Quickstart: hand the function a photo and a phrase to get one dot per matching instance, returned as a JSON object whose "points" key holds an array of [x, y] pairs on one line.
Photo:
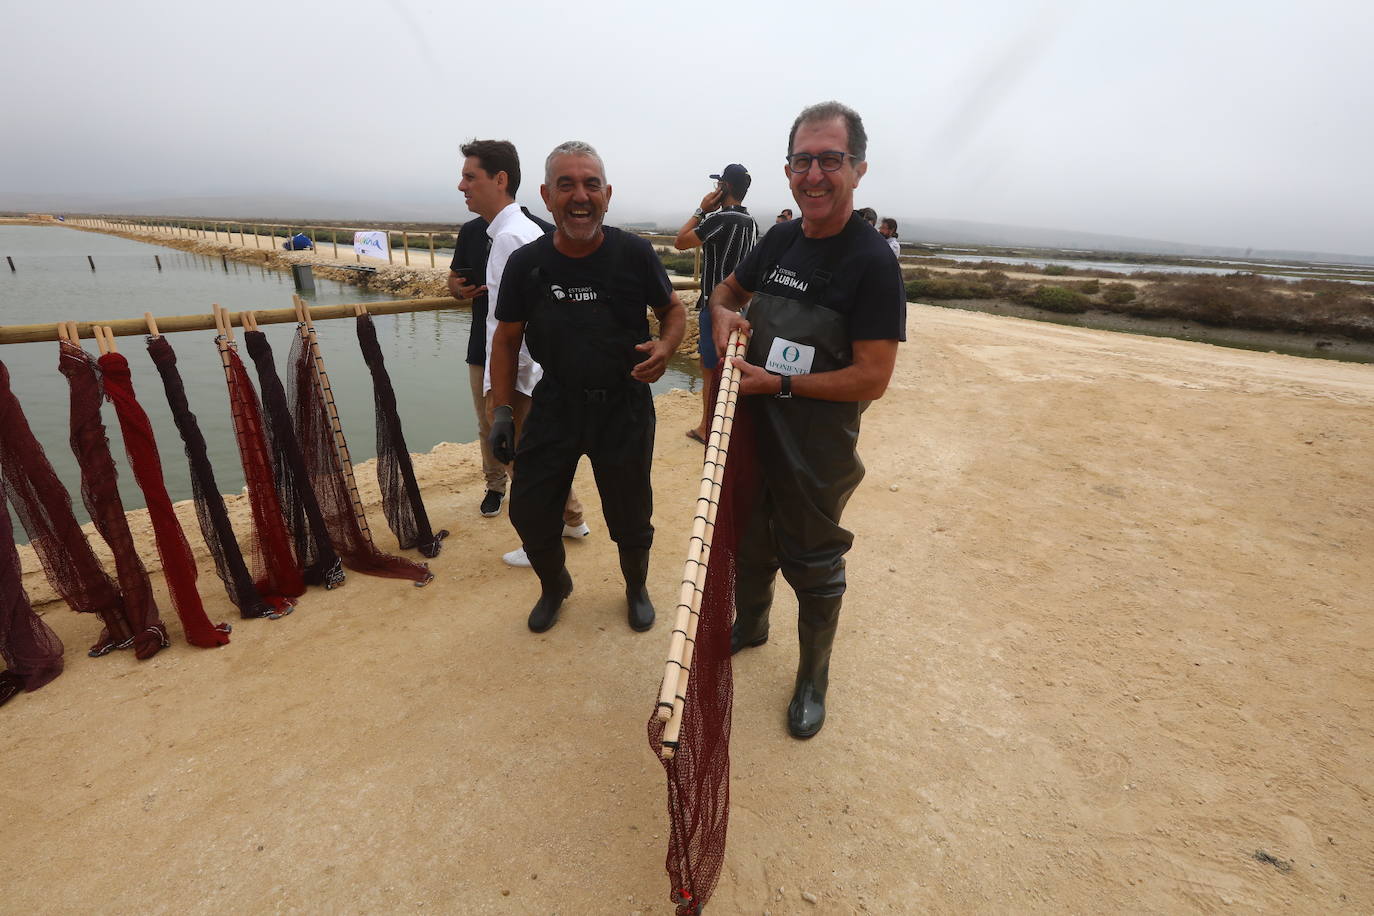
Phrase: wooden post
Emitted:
{"points": [[241, 241], [11, 260], [92, 262], [159, 261], [257, 236], [313, 246], [431, 249], [334, 234], [405, 247]]}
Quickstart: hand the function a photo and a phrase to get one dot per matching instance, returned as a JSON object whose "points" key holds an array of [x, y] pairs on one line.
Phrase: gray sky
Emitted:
{"points": [[1209, 121]]}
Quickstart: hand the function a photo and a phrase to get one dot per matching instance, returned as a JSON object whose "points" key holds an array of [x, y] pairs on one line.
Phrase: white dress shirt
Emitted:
{"points": [[510, 230]]}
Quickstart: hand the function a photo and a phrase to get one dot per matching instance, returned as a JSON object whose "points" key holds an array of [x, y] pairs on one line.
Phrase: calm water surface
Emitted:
{"points": [[53, 281]]}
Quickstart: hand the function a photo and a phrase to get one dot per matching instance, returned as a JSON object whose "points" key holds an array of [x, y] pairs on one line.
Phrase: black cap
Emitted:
{"points": [[736, 176]]}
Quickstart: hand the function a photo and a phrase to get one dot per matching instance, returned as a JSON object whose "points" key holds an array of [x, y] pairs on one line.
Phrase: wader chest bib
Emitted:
{"points": [[807, 447]]}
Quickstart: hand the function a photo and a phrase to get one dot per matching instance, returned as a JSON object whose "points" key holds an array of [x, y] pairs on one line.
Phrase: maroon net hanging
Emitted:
{"points": [[45, 510], [210, 512], [315, 430], [401, 503], [699, 770], [31, 650], [178, 563], [100, 493], [319, 562], [276, 575]]}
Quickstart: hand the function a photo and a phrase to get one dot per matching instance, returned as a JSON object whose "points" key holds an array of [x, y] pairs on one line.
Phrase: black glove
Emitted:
{"points": [[502, 438]]}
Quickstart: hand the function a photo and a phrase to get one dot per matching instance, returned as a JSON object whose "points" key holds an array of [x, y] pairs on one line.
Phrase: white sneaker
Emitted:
{"points": [[577, 533], [516, 557]]}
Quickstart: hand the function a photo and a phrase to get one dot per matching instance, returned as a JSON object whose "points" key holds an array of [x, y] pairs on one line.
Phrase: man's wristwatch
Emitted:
{"points": [[699, 214], [784, 387]]}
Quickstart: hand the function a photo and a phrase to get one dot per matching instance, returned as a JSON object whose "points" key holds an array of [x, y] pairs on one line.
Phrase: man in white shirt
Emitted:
{"points": [[888, 230], [491, 177]]}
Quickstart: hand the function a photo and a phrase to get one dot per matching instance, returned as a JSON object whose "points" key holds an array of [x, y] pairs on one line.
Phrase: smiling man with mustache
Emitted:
{"points": [[578, 298], [826, 306]]}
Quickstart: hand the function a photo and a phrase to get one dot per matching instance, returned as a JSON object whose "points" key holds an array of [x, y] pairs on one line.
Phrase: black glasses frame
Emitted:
{"points": [[808, 158]]}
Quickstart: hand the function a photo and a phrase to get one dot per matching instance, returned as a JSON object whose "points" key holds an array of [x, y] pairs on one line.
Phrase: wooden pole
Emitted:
{"points": [[405, 247], [129, 327], [91, 260], [431, 249], [307, 331], [683, 638]]}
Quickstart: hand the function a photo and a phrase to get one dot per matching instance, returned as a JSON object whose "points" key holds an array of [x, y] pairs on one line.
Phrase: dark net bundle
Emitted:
{"points": [[699, 770], [401, 503], [45, 510], [319, 562], [276, 574], [30, 649], [100, 493], [178, 563], [210, 512], [315, 429]]}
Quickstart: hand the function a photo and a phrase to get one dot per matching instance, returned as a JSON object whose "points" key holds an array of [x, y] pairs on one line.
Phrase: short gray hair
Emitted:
{"points": [[829, 111], [572, 148]]}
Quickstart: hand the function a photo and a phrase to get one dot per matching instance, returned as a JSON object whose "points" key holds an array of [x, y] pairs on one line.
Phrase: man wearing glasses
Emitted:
{"points": [[826, 309]]}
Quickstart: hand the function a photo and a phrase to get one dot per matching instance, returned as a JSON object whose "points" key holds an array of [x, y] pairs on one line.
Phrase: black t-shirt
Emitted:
{"points": [[726, 237], [639, 280], [865, 283], [470, 251]]}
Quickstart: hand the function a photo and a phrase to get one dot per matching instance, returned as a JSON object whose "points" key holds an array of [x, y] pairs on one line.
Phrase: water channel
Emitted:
{"points": [[54, 281]]}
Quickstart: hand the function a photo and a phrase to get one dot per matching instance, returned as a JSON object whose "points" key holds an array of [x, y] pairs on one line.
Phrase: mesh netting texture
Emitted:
{"points": [[215, 527], [45, 510], [100, 494], [699, 770], [315, 428], [319, 562], [31, 650], [178, 562], [401, 502], [276, 574]]}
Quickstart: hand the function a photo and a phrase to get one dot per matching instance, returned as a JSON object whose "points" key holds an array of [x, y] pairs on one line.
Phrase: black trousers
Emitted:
{"points": [[614, 428]]}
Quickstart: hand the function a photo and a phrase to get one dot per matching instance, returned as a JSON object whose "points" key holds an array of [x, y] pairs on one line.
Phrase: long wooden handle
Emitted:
{"points": [[326, 391], [699, 543]]}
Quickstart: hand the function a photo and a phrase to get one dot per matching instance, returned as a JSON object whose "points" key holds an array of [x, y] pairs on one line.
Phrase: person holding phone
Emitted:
{"points": [[724, 230]]}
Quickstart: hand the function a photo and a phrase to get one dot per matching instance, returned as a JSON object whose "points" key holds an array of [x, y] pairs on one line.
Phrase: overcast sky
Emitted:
{"points": [[1244, 123]]}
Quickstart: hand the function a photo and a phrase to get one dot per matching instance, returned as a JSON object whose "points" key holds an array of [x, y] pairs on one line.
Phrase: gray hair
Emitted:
{"points": [[829, 111], [572, 148]]}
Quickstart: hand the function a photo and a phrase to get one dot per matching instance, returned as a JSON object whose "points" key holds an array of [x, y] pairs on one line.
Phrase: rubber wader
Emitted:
{"points": [[810, 467], [585, 404]]}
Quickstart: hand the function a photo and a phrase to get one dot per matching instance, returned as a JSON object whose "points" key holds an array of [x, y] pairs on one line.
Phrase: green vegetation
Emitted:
{"points": [[680, 263], [1055, 299], [1118, 293]]}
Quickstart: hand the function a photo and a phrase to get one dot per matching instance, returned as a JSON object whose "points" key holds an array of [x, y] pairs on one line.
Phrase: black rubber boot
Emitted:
{"points": [[634, 565], [817, 620], [753, 600], [555, 585]]}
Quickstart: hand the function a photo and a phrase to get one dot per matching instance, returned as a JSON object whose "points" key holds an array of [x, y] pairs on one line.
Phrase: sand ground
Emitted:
{"points": [[1107, 640]]}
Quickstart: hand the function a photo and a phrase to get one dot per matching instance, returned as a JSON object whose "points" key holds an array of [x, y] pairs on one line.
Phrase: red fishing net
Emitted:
{"points": [[45, 510], [210, 512], [319, 562], [401, 503], [699, 770], [100, 493], [31, 650], [178, 563], [276, 575], [315, 428]]}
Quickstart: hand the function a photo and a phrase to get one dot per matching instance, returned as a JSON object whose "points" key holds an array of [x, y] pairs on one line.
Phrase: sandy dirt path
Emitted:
{"points": [[1108, 637]]}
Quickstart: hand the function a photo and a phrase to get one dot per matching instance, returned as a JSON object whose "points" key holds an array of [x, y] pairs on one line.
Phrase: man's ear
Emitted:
{"points": [[544, 193], [862, 170], [502, 180], [608, 197]]}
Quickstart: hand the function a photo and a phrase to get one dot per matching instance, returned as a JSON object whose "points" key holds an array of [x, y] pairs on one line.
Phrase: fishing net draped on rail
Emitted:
{"points": [[215, 526], [178, 562], [276, 574], [100, 493], [315, 429], [45, 510], [319, 562], [699, 770], [401, 502], [30, 649]]}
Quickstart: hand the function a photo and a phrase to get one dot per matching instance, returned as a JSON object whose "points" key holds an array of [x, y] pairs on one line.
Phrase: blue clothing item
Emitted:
{"points": [[706, 345], [298, 242]]}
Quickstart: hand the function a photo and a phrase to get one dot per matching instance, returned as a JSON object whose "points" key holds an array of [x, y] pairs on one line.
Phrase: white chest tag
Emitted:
{"points": [[788, 358]]}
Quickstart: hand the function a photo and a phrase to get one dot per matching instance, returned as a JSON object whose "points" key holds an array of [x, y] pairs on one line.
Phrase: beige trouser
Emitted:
{"points": [[497, 473]]}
